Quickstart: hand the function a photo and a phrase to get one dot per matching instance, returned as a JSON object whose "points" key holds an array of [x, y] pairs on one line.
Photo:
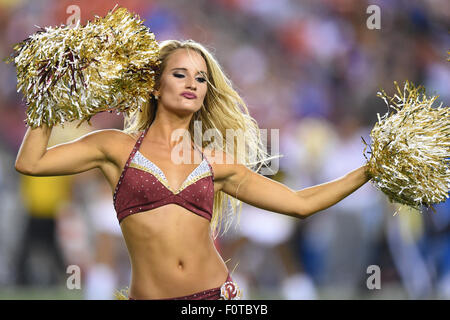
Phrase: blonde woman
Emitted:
{"points": [[169, 212]]}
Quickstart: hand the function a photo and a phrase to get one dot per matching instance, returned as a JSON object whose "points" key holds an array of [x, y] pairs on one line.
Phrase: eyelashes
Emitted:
{"points": [[199, 79]]}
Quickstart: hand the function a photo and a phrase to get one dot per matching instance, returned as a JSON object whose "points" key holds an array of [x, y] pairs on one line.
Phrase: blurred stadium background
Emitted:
{"points": [[308, 68]]}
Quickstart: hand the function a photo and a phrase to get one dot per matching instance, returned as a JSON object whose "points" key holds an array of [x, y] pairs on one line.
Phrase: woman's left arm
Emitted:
{"points": [[262, 192]]}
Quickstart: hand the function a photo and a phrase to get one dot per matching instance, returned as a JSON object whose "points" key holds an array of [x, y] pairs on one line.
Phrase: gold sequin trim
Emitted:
{"points": [[156, 175], [193, 177], [192, 181]]}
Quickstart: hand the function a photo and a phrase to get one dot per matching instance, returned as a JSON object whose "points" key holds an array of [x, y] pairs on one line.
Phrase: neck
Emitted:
{"points": [[168, 126]]}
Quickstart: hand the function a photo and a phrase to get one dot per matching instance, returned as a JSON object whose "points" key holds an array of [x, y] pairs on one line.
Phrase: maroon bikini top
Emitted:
{"points": [[143, 186]]}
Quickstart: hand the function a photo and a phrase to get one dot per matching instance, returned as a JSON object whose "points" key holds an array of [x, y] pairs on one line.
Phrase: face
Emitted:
{"points": [[183, 82]]}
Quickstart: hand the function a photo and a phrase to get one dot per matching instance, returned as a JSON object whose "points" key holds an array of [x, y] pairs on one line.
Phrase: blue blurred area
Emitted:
{"points": [[308, 68]]}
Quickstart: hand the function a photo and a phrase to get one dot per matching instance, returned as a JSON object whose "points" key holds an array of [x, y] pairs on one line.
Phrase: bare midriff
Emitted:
{"points": [[172, 253]]}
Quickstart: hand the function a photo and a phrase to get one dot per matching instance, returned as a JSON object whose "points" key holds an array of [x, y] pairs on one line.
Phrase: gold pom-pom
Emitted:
{"points": [[410, 150], [122, 294], [71, 74]]}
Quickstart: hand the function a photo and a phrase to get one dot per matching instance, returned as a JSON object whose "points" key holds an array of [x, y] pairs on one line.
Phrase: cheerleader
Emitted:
{"points": [[170, 213]]}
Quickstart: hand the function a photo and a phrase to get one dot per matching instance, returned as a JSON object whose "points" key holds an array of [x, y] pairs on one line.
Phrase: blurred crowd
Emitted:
{"points": [[310, 69]]}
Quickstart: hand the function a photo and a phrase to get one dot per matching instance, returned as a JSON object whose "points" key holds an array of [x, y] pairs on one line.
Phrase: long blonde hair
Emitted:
{"points": [[222, 109]]}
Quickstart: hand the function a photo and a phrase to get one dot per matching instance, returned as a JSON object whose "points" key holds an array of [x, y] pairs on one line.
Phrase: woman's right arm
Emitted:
{"points": [[82, 154]]}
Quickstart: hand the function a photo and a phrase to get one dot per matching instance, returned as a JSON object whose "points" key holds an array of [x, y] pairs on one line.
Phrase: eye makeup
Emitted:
{"points": [[180, 75]]}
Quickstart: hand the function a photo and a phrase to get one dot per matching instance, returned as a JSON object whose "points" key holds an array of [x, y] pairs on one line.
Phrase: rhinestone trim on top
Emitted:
{"points": [[142, 163]]}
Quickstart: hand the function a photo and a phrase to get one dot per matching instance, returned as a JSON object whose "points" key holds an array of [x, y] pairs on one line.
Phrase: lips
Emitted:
{"points": [[189, 95]]}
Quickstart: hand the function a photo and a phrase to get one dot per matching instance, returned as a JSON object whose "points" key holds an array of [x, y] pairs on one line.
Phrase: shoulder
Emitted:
{"points": [[109, 139], [111, 134]]}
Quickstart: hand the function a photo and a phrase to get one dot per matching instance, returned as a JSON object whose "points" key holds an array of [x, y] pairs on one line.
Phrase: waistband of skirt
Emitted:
{"points": [[210, 294]]}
